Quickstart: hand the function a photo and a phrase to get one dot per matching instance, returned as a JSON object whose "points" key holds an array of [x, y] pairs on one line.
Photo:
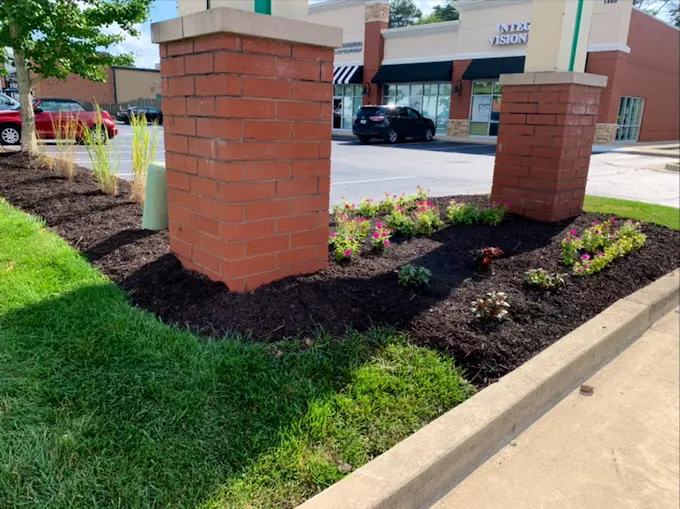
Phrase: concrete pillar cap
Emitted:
{"points": [[554, 78], [236, 21]]}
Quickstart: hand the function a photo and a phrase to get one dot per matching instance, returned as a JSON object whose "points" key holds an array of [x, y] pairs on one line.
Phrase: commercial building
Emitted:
{"points": [[450, 71]]}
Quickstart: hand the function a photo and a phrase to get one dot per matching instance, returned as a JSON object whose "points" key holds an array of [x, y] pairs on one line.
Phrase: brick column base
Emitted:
{"points": [[545, 141], [248, 130]]}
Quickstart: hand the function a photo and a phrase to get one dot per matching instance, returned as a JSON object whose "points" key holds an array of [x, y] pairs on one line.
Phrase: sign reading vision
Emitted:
{"points": [[511, 33]]}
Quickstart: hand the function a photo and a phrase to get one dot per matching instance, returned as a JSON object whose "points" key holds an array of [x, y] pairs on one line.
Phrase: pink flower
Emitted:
{"points": [[352, 239], [596, 223], [379, 225], [386, 243], [376, 235], [612, 220], [348, 253], [508, 204], [333, 235], [384, 234], [585, 257], [572, 232]]}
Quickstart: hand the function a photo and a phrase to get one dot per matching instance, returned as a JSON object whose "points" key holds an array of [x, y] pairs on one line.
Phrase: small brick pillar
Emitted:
{"points": [[545, 141], [247, 140], [376, 19]]}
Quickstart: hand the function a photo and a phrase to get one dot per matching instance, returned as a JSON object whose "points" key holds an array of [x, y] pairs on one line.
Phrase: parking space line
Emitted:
{"points": [[369, 180]]}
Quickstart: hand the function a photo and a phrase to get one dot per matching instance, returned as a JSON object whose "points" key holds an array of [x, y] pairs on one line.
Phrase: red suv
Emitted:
{"points": [[49, 111]]}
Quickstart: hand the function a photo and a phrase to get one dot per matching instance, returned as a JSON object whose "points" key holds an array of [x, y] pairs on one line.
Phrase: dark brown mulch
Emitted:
{"points": [[357, 295]]}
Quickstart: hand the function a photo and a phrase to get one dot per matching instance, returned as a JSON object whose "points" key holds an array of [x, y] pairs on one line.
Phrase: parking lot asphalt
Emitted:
{"points": [[450, 168]]}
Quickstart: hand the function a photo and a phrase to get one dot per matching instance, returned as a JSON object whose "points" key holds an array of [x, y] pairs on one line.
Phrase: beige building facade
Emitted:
{"points": [[450, 71]]}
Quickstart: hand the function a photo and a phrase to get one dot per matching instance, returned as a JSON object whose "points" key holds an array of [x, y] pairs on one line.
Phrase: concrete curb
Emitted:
{"points": [[419, 470]]}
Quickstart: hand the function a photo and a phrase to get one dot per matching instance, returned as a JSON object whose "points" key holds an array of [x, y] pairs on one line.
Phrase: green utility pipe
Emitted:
{"points": [[263, 6], [577, 28]]}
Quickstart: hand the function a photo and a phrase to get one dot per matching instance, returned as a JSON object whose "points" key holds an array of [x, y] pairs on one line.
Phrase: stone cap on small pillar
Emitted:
{"points": [[247, 107], [554, 78], [236, 21]]}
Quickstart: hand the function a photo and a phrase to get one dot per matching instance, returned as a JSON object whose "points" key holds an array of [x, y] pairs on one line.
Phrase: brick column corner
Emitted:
{"points": [[376, 19], [248, 130], [459, 112], [545, 141]]}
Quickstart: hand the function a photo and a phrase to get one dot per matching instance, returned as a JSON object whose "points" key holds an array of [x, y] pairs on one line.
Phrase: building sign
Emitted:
{"points": [[350, 47], [511, 33]]}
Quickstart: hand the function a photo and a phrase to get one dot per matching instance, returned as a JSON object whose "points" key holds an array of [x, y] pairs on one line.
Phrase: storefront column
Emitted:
{"points": [[545, 141], [376, 19], [248, 143], [459, 114]]}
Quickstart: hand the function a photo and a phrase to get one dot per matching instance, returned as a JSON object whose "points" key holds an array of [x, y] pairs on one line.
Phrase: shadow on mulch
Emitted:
{"points": [[353, 296]]}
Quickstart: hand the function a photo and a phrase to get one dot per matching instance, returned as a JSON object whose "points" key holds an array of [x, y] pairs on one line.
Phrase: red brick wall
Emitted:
{"points": [[248, 128], [460, 104], [374, 51], [544, 146], [76, 87], [651, 71]]}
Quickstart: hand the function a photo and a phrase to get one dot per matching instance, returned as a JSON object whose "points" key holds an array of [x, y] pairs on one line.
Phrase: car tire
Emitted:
{"points": [[393, 137], [159, 120], [429, 134], [10, 135], [364, 139], [127, 121]]}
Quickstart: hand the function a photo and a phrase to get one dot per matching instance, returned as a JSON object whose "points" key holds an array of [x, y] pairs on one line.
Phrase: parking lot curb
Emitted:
{"points": [[422, 468]]}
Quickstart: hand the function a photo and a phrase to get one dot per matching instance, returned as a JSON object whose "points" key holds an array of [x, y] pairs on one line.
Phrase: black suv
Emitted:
{"points": [[391, 123]]}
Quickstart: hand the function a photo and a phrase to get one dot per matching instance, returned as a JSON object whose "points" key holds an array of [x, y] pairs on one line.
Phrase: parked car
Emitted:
{"points": [[6, 102], [392, 124], [151, 114], [48, 112]]}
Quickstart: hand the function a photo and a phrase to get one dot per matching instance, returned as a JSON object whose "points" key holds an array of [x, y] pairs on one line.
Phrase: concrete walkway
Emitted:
{"points": [[617, 448]]}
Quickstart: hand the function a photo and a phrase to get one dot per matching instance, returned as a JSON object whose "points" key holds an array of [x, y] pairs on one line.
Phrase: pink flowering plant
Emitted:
{"points": [[348, 226], [600, 245], [426, 218], [493, 214], [381, 237], [344, 247], [401, 222], [389, 204], [345, 207], [462, 213], [368, 207]]}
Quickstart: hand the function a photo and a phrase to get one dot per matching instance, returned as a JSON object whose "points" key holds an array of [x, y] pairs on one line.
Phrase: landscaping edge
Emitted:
{"points": [[422, 468]]}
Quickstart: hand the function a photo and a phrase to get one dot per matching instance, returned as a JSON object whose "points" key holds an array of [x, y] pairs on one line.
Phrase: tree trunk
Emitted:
{"points": [[29, 142]]}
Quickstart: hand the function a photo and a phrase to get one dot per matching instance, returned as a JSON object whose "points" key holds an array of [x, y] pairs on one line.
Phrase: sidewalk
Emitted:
{"points": [[617, 448]]}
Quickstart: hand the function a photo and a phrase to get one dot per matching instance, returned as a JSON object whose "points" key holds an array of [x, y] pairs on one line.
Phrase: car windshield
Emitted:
{"points": [[368, 111]]}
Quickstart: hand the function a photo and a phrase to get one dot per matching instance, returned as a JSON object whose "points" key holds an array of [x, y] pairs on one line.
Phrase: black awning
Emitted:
{"points": [[348, 75], [492, 68], [415, 73]]}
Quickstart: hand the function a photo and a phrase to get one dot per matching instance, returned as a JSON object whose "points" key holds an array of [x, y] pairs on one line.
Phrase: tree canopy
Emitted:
{"points": [[55, 38], [404, 13], [669, 10]]}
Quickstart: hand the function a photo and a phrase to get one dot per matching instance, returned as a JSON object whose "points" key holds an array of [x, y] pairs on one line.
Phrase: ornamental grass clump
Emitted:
{"points": [[67, 130], [492, 307], [426, 218], [541, 278], [145, 140], [103, 158], [410, 276], [381, 237]]}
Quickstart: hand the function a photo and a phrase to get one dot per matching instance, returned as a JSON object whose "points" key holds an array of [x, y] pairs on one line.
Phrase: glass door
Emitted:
{"points": [[337, 113], [485, 108], [630, 118]]}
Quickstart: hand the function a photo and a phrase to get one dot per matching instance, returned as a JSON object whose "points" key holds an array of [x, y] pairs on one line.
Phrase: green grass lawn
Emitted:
{"points": [[657, 214], [102, 405]]}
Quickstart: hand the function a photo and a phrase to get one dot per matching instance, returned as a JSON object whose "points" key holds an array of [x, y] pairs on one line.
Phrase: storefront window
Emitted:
{"points": [[630, 118], [433, 100], [346, 102], [485, 108]]}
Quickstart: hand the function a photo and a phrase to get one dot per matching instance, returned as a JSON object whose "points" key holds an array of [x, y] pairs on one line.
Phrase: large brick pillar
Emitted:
{"points": [[376, 19], [247, 140], [545, 141]]}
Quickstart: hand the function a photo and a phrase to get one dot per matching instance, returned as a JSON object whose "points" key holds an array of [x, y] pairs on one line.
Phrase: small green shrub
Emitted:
{"points": [[348, 226], [345, 207], [368, 207], [494, 214], [543, 279], [426, 218], [410, 276], [401, 222], [462, 213], [492, 307], [485, 256]]}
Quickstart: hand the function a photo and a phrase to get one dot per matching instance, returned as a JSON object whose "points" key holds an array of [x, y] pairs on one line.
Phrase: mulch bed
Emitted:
{"points": [[354, 296]]}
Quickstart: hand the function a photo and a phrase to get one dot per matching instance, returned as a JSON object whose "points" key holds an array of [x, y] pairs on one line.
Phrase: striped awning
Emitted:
{"points": [[348, 75]]}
